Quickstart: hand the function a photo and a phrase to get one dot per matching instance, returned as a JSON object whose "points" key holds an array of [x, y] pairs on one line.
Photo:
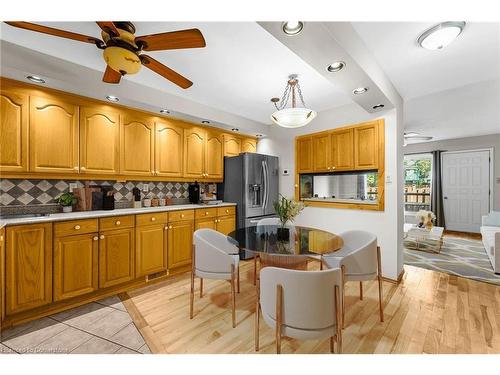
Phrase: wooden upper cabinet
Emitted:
{"points": [[169, 145], [249, 145], [137, 145], [366, 146], [321, 152], [13, 131], [194, 152], [28, 267], [342, 149], [53, 135], [99, 140], [304, 158], [214, 159], [232, 145]]}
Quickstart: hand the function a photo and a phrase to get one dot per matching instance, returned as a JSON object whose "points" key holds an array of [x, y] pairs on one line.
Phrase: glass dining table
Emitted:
{"points": [[289, 247]]}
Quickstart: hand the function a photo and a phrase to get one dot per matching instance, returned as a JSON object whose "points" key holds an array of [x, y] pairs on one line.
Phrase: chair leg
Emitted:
{"points": [[332, 344], [238, 279], [361, 290], [233, 298], [257, 318], [379, 277], [201, 287], [255, 269], [191, 297], [343, 295], [338, 318], [279, 317]]}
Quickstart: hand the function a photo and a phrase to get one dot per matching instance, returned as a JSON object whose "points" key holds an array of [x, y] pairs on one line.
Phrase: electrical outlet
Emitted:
{"points": [[72, 186], [286, 172], [145, 188]]}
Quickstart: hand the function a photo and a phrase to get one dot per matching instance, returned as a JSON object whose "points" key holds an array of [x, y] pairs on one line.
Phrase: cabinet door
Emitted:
{"points": [[53, 136], [14, 132], [321, 152], [214, 158], [209, 223], [168, 149], [2, 276], [137, 145], [116, 257], [366, 146], [304, 155], [194, 152], [249, 145], [232, 145], [226, 224], [99, 140], [28, 267], [150, 249], [180, 243], [75, 265], [342, 150]]}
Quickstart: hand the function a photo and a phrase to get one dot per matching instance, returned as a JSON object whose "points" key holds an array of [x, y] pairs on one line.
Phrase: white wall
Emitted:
{"points": [[469, 143], [384, 224]]}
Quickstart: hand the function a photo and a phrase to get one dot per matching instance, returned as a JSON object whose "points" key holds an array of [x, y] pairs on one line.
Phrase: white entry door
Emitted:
{"points": [[466, 189]]}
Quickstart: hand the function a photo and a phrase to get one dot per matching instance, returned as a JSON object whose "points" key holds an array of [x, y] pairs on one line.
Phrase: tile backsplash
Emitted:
{"points": [[19, 192]]}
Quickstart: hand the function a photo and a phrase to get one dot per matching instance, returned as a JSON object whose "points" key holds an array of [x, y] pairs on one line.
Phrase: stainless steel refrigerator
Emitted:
{"points": [[251, 180]]}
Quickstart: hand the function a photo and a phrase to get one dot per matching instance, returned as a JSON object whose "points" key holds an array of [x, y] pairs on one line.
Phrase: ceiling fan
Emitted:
{"points": [[123, 51]]}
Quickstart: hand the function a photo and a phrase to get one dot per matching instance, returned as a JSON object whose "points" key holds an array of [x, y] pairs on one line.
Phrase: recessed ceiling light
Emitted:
{"points": [[112, 98], [166, 111], [360, 90], [259, 135], [378, 106], [205, 122], [336, 66], [36, 79], [292, 27], [439, 36], [235, 129]]}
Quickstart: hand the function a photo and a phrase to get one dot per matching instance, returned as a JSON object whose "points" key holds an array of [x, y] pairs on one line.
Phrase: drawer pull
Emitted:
{"points": [[118, 222], [95, 238], [101, 236], [206, 213], [170, 227], [166, 227], [153, 219], [82, 168], [227, 211], [77, 227], [182, 215]]}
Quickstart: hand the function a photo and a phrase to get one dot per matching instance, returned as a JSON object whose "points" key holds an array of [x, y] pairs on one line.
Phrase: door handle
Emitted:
{"points": [[445, 197]]}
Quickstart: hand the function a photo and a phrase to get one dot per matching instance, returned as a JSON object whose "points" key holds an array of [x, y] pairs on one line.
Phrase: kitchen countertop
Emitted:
{"points": [[105, 213]]}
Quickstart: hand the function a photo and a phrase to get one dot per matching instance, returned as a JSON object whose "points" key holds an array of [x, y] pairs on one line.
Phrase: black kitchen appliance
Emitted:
{"points": [[194, 193], [108, 198]]}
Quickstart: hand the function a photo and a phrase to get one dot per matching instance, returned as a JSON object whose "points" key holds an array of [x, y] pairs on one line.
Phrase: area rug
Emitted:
{"points": [[458, 256]]}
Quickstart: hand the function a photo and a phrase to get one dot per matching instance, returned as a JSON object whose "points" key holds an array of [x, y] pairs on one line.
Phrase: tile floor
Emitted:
{"points": [[102, 327]]}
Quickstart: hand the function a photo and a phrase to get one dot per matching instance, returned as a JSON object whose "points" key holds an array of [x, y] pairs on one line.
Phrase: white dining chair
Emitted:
{"points": [[303, 305], [359, 259], [214, 257]]}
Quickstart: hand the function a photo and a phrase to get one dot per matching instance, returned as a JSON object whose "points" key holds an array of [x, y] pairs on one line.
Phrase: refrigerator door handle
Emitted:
{"points": [[266, 188]]}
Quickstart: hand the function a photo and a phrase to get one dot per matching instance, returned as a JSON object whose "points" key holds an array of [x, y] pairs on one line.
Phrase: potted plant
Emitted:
{"points": [[426, 219], [287, 210], [66, 200]]}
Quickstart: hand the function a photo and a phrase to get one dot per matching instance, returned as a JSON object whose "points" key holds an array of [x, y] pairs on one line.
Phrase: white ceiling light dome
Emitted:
{"points": [[292, 117], [441, 35]]}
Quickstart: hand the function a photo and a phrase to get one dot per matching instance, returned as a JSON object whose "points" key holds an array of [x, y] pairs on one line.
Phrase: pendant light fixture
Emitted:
{"points": [[292, 117]]}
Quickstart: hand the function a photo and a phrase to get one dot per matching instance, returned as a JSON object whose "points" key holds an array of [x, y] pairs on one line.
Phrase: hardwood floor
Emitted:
{"points": [[428, 312]]}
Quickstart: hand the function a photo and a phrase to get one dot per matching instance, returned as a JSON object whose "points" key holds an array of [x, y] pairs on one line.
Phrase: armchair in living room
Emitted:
{"points": [[490, 233]]}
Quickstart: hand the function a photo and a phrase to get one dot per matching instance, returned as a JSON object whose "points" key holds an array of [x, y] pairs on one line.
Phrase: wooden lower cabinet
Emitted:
{"points": [[28, 267], [226, 224], [116, 257], [150, 249], [209, 223], [180, 243], [2, 275], [75, 265]]}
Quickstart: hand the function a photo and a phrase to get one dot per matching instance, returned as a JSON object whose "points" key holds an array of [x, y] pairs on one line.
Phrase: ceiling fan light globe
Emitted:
{"points": [[293, 117], [122, 60]]}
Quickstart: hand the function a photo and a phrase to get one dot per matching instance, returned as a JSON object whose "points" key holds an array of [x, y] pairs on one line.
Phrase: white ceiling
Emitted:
{"points": [[240, 69], [449, 93]]}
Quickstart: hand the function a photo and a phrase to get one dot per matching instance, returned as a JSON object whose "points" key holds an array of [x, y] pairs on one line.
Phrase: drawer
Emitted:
{"points": [[228, 210], [149, 219], [202, 213], [116, 222], [181, 215], [68, 228]]}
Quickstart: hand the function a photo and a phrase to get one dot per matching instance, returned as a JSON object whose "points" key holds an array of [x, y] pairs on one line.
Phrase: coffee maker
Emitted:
{"points": [[194, 193]]}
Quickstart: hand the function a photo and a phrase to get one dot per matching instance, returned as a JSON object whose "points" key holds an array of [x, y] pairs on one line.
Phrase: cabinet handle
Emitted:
{"points": [[153, 219], [118, 222], [333, 167], [166, 227], [77, 227], [296, 185], [101, 236], [206, 213], [182, 215], [75, 168], [95, 238], [329, 168], [83, 168], [227, 211], [170, 227]]}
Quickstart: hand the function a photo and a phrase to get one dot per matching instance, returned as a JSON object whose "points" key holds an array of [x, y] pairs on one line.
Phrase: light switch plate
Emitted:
{"points": [[286, 172], [388, 180], [145, 188]]}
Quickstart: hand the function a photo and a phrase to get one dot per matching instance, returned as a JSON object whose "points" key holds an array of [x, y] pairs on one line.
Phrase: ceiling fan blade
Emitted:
{"points": [[191, 38], [166, 72], [56, 32], [108, 27], [111, 76]]}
